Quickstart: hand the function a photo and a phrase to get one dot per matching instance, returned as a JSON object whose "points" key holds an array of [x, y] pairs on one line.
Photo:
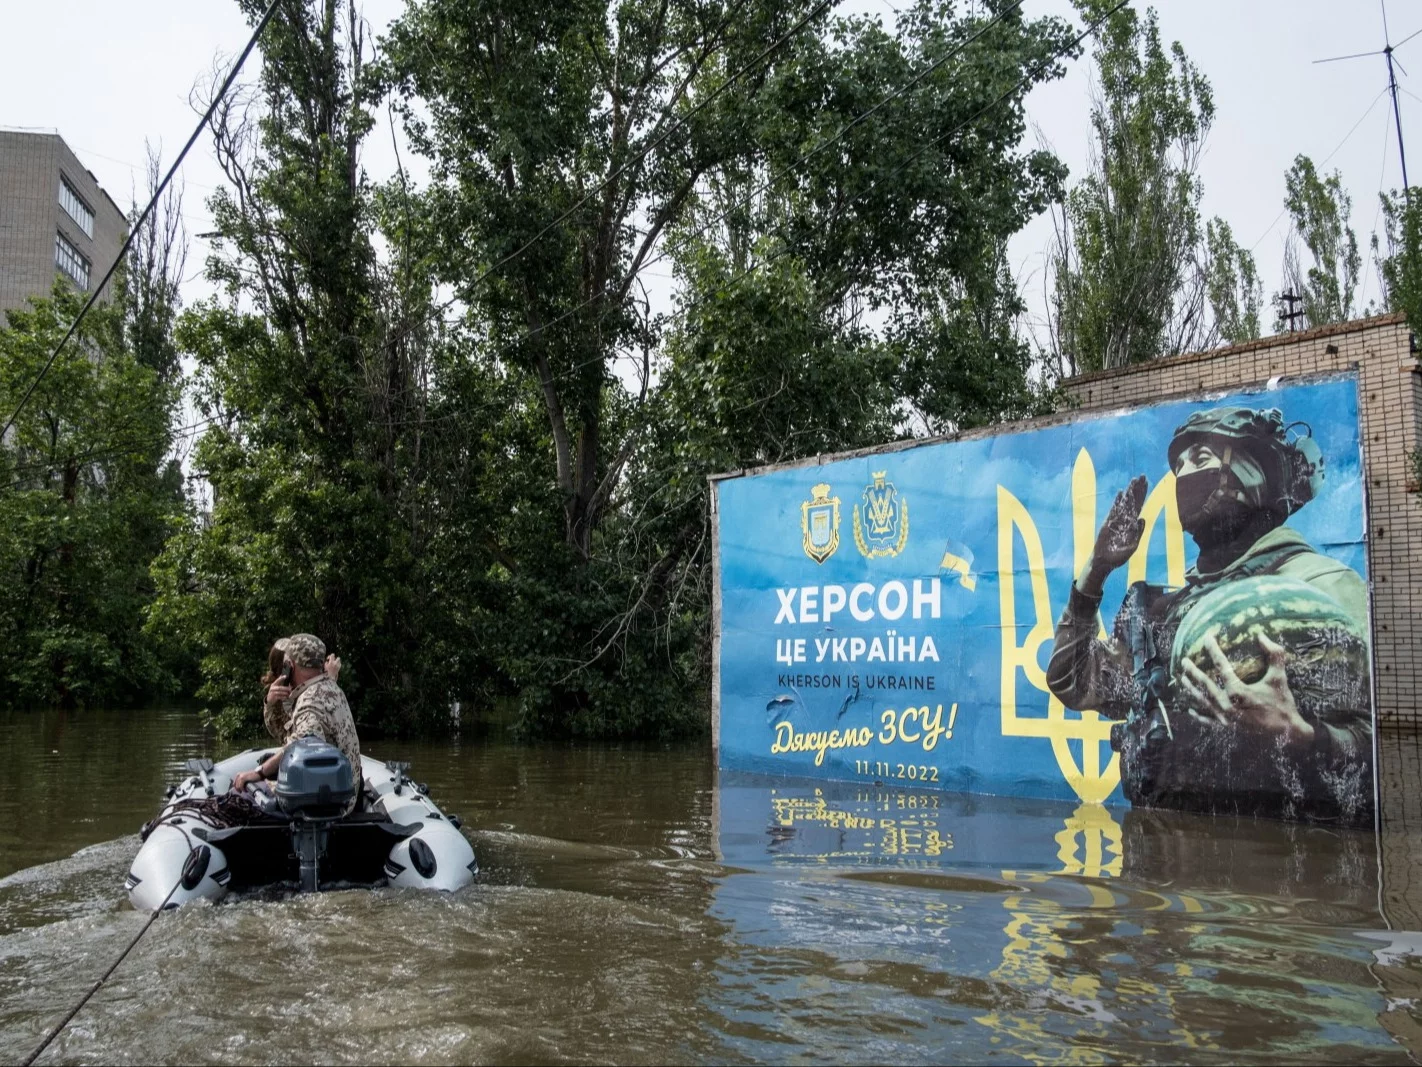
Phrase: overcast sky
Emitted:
{"points": [[110, 76]]}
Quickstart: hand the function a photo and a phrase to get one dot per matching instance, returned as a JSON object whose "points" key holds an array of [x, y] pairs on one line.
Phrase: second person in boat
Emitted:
{"points": [[317, 706]]}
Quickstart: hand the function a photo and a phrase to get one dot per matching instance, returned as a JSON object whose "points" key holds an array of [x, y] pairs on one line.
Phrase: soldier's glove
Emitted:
{"points": [[1120, 534]]}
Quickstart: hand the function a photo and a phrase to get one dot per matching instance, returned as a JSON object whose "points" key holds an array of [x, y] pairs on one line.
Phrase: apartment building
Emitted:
{"points": [[54, 218]]}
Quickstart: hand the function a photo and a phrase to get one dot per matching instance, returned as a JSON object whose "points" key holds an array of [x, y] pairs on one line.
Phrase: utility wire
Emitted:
{"points": [[1336, 149], [818, 10], [680, 120], [1033, 73], [138, 226], [463, 291], [110, 450]]}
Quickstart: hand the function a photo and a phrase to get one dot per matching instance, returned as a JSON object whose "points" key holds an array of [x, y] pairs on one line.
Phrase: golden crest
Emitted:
{"points": [[819, 523], [882, 528]]}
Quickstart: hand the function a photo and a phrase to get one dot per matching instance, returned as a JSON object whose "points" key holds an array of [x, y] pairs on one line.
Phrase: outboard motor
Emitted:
{"points": [[316, 786]]}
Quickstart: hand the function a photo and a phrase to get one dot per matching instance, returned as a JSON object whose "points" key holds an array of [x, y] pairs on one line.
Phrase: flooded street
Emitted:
{"points": [[631, 907]]}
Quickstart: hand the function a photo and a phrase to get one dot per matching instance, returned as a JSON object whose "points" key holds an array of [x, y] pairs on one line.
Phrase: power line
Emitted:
{"points": [[1336, 149], [818, 10], [134, 166], [680, 120], [98, 454], [138, 226], [1033, 73]]}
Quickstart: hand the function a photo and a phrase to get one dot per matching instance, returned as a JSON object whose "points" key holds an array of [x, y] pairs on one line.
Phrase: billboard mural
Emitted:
{"points": [[1163, 607]]}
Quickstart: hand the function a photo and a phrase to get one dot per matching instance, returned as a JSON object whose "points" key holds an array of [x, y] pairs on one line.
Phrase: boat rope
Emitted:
{"points": [[216, 813], [104, 978], [226, 809]]}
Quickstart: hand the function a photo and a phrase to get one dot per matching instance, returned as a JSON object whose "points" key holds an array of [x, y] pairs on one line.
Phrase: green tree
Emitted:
{"points": [[1320, 208], [87, 496], [1126, 283], [1401, 268], [157, 257], [1233, 288], [350, 440], [818, 286]]}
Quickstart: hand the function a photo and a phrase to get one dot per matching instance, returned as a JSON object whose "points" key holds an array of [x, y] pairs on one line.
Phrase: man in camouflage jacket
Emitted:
{"points": [[318, 708]]}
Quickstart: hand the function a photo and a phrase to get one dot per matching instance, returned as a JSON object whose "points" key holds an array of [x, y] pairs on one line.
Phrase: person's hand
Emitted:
{"points": [[1118, 538], [333, 666], [242, 779], [1266, 706], [277, 693]]}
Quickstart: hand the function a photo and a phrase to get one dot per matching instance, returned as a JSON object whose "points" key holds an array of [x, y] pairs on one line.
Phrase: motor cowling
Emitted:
{"points": [[315, 780]]}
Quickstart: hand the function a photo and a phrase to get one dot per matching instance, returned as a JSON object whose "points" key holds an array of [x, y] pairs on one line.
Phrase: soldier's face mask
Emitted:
{"points": [[1210, 505]]}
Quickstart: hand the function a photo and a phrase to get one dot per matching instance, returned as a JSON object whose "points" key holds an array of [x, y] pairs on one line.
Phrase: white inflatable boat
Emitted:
{"points": [[320, 826]]}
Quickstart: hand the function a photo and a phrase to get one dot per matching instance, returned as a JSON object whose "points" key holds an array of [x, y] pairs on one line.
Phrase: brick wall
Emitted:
{"points": [[28, 210], [1390, 388]]}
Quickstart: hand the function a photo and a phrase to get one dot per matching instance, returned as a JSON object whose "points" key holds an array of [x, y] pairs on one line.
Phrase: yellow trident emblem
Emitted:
{"points": [[1091, 768]]}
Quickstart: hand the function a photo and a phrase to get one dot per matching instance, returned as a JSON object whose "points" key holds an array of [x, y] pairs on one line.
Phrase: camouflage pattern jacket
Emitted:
{"points": [[319, 707]]}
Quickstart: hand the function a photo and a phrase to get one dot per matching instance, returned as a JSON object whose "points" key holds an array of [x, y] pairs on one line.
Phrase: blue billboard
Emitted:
{"points": [[1165, 606]]}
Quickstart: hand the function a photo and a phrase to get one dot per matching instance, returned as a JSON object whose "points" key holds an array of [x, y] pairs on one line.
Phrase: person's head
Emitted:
{"points": [[1237, 468], [307, 655], [276, 661]]}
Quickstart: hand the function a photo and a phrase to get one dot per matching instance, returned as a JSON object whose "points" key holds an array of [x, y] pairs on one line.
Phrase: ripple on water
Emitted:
{"points": [[632, 910]]}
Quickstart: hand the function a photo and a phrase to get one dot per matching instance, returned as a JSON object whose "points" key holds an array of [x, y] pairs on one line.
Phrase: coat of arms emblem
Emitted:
{"points": [[819, 522], [881, 521]]}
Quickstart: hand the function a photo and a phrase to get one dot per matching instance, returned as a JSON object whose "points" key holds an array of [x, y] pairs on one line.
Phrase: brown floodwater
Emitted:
{"points": [[635, 907]]}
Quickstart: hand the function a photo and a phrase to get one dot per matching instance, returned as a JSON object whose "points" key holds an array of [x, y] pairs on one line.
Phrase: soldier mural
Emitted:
{"points": [[1247, 689]]}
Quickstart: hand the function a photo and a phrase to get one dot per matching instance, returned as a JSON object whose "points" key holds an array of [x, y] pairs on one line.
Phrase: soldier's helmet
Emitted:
{"points": [[1290, 461]]}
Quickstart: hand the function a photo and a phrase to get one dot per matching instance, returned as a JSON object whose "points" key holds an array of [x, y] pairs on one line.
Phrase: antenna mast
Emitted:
{"points": [[1386, 51]]}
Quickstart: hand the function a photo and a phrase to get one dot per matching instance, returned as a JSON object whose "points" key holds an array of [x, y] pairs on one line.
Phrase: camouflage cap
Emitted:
{"points": [[306, 650]]}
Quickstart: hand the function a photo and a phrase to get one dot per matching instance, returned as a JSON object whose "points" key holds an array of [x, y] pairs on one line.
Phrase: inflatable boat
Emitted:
{"points": [[322, 825]]}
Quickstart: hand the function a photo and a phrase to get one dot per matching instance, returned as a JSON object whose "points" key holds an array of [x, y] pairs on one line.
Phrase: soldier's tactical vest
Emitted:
{"points": [[1166, 757]]}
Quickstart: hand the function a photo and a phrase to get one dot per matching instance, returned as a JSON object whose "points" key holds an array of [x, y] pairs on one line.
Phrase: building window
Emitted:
{"points": [[68, 259], [75, 208]]}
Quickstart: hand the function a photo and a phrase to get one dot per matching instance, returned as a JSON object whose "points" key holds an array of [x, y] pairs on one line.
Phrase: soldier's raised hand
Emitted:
{"points": [[1118, 538]]}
